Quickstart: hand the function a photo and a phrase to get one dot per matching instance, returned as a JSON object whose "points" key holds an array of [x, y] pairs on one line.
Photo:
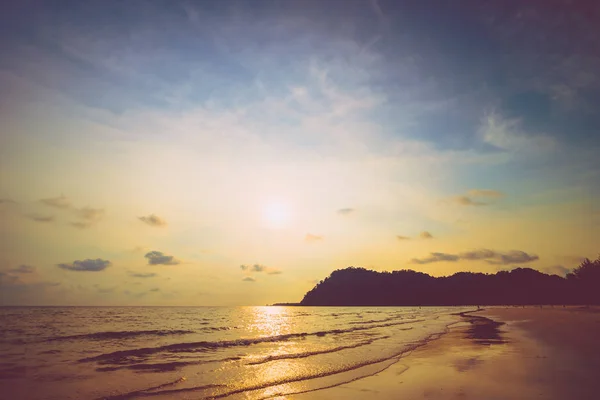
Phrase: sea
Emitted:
{"points": [[203, 352]]}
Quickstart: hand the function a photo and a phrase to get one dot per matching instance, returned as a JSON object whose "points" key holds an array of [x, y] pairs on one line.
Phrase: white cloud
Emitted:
{"points": [[507, 134]]}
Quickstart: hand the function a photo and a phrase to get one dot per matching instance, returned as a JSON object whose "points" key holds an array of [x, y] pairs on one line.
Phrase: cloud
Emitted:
{"points": [[507, 134], [80, 225], [86, 265], [40, 218], [425, 235], [514, 257], [560, 270], [274, 271], [487, 255], [260, 268], [159, 258], [312, 238], [485, 193], [6, 279], [249, 279], [15, 285], [88, 215], [481, 254], [400, 237], [469, 199], [23, 269], [345, 211], [7, 201], [436, 257], [142, 274], [153, 220], [154, 289], [57, 202]]}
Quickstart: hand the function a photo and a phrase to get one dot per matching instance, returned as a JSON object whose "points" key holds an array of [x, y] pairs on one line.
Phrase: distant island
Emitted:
{"points": [[521, 286]]}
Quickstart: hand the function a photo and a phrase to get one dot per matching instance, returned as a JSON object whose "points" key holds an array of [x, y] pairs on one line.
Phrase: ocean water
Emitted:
{"points": [[202, 352]]}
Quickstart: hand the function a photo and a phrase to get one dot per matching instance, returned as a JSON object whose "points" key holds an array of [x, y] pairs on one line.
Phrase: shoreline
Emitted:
{"points": [[499, 353]]}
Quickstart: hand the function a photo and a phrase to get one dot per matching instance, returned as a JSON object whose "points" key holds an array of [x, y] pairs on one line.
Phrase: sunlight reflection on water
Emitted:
{"points": [[271, 321]]}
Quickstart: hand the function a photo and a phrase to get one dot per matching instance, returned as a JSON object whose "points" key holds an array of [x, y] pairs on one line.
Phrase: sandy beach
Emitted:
{"points": [[547, 353]]}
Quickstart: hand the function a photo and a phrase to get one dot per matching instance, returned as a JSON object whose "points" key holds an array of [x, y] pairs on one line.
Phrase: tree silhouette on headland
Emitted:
{"points": [[521, 286]]}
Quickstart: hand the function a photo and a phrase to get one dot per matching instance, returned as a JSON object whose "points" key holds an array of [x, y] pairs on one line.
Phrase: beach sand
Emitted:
{"points": [[548, 353]]}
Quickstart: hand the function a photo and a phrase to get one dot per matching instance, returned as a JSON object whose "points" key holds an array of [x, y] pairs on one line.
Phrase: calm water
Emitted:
{"points": [[202, 352]]}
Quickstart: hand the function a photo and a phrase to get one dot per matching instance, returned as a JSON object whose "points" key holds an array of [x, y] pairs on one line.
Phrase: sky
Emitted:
{"points": [[237, 152]]}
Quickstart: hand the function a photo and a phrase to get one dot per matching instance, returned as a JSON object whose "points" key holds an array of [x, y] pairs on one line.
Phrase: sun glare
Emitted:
{"points": [[276, 214]]}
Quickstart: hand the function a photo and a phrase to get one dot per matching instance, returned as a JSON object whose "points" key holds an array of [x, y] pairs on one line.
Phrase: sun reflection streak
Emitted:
{"points": [[271, 321], [276, 321]]}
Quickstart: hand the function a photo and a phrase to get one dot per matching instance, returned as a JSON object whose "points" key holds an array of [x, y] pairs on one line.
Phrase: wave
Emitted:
{"points": [[163, 367], [144, 392], [316, 352], [118, 335], [120, 356], [373, 321], [387, 361], [217, 328]]}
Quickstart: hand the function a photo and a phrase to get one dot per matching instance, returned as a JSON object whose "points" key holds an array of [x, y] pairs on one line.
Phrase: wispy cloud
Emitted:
{"points": [[40, 218], [435, 257], [159, 258], [467, 201], [560, 270], [57, 202], [153, 220], [400, 237], [88, 216], [507, 134], [487, 255], [472, 197], [80, 225], [7, 279], [274, 271], [514, 257], [345, 211], [23, 269], [142, 274], [312, 238], [86, 265], [485, 193], [249, 279], [425, 235]]}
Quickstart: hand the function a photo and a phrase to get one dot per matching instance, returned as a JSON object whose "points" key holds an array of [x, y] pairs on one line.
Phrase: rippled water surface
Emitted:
{"points": [[202, 352]]}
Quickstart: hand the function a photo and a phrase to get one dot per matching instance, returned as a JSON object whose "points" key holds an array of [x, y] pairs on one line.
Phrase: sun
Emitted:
{"points": [[276, 214]]}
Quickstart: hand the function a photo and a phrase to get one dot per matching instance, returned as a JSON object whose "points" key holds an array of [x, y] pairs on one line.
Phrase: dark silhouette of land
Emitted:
{"points": [[522, 286]]}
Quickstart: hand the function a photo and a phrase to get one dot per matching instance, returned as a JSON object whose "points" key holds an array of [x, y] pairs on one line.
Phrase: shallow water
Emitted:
{"points": [[202, 352]]}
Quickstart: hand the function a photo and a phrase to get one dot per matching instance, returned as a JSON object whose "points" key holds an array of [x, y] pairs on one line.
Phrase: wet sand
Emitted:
{"points": [[510, 353]]}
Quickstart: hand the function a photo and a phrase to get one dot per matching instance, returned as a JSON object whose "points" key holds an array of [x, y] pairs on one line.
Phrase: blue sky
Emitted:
{"points": [[233, 120]]}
